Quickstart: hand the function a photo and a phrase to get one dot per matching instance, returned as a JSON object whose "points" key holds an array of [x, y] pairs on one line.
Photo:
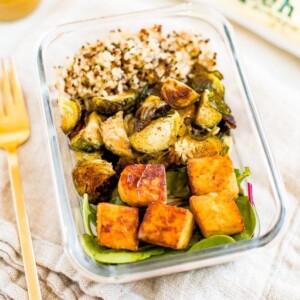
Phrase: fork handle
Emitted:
{"points": [[23, 227]]}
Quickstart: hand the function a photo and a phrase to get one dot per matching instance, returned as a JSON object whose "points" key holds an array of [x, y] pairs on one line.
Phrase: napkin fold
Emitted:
{"points": [[272, 272]]}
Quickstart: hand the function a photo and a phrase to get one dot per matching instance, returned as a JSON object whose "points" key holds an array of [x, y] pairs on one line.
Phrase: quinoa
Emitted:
{"points": [[128, 61]]}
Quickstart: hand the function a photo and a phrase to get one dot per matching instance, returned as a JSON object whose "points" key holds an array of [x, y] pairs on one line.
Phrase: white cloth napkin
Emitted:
{"points": [[269, 273]]}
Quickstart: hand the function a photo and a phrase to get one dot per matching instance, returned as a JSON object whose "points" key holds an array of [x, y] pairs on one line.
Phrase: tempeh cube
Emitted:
{"points": [[217, 213], [141, 184], [212, 174], [167, 226], [117, 226]]}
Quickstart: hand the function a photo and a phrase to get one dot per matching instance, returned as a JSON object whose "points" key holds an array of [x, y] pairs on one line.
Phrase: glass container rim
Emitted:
{"points": [[58, 176]]}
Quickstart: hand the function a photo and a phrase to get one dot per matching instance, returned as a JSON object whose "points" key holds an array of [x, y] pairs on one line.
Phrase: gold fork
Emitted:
{"points": [[14, 131]]}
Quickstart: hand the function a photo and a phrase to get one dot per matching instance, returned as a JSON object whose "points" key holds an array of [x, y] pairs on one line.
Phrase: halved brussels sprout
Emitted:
{"points": [[187, 112], [111, 104], [129, 121], [79, 155], [186, 148], [206, 116], [217, 101], [94, 177], [88, 138], [152, 107], [114, 135], [70, 113], [200, 134], [159, 135], [177, 94], [204, 79]]}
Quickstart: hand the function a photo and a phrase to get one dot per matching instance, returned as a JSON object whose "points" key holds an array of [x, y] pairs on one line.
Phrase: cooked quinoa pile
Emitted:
{"points": [[128, 61]]}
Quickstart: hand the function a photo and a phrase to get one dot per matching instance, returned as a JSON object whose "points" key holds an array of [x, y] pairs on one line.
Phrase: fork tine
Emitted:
{"points": [[15, 85], [6, 89]]}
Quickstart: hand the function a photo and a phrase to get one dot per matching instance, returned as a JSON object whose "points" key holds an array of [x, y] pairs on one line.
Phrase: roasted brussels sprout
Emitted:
{"points": [[186, 148], [114, 135], [159, 135], [148, 90], [70, 113], [129, 121], [187, 112], [88, 138], [152, 107], [94, 177], [79, 155], [204, 79], [200, 134], [177, 94], [206, 116], [111, 104]]}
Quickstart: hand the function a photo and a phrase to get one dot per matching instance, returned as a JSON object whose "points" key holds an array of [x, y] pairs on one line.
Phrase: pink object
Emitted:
{"points": [[250, 193]]}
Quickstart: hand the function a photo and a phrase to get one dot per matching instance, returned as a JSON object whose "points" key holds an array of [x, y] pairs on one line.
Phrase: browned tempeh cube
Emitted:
{"points": [[212, 174], [167, 226], [217, 213], [141, 184], [117, 226]]}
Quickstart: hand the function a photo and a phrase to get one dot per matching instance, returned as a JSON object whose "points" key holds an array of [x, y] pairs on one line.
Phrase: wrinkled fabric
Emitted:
{"points": [[272, 272]]}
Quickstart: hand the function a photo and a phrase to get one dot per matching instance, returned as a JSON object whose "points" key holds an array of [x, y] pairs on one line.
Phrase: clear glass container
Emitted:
{"points": [[250, 147]]}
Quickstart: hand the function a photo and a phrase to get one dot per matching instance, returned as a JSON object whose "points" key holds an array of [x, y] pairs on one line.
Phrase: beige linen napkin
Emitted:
{"points": [[270, 273]]}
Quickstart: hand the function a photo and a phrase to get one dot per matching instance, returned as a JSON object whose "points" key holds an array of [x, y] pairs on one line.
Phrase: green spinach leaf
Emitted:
{"points": [[177, 183], [241, 175], [89, 215], [248, 213], [104, 255], [212, 241]]}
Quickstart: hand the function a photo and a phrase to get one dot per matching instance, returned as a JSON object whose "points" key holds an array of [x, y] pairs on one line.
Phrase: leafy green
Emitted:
{"points": [[104, 255], [112, 256], [217, 101], [248, 213], [89, 215], [212, 241], [195, 238], [177, 183], [117, 200], [241, 175]]}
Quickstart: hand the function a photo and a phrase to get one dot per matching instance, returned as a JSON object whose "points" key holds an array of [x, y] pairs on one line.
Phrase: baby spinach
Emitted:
{"points": [[89, 215], [104, 255], [241, 175], [177, 183], [212, 241], [248, 213], [117, 200]]}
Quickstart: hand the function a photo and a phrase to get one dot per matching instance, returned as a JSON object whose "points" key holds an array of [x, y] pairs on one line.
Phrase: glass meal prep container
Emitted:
{"points": [[250, 147]]}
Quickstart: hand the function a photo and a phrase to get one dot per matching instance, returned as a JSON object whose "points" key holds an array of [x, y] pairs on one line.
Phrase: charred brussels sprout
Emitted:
{"points": [[114, 135], [70, 112], [88, 138], [129, 121], [204, 79], [177, 94], [153, 107], [111, 104], [207, 116], [159, 135], [186, 148], [217, 101], [187, 112], [79, 155], [94, 177]]}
